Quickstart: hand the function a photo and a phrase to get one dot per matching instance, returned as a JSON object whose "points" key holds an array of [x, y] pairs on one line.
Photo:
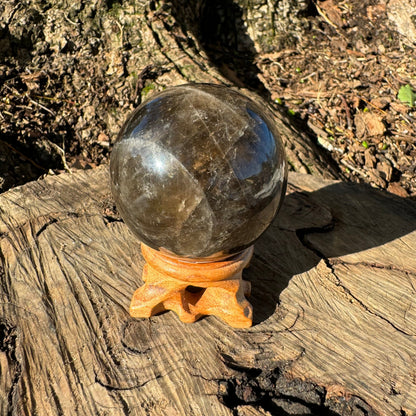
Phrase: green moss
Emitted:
{"points": [[147, 89], [115, 9]]}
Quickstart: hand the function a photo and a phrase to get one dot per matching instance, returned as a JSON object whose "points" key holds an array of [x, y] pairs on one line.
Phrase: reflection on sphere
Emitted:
{"points": [[198, 171]]}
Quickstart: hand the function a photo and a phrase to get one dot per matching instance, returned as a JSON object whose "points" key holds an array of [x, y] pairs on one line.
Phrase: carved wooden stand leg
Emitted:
{"points": [[194, 289]]}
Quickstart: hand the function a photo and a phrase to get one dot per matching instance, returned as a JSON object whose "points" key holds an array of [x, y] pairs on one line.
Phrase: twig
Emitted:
{"points": [[372, 105], [61, 152], [325, 17], [121, 32], [402, 136], [354, 169], [41, 106], [347, 111], [308, 76]]}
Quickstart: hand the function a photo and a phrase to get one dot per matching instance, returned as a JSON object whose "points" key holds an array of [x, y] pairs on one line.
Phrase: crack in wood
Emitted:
{"points": [[331, 263], [45, 226], [134, 386], [8, 345], [338, 261], [46, 220], [365, 307]]}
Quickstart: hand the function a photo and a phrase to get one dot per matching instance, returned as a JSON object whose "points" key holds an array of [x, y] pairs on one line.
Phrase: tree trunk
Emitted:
{"points": [[71, 72], [212, 42], [94, 61], [334, 329]]}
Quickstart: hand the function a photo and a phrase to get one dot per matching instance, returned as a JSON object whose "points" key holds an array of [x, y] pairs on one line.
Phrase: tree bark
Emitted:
{"points": [[333, 284], [212, 42], [99, 59]]}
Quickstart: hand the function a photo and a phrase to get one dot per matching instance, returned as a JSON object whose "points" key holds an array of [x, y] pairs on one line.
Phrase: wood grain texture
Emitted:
{"points": [[333, 290]]}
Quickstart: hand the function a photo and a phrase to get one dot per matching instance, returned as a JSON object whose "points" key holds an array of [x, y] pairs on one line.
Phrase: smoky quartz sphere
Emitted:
{"points": [[198, 172]]}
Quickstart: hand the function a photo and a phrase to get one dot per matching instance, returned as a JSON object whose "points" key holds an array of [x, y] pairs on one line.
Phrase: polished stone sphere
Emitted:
{"points": [[198, 171]]}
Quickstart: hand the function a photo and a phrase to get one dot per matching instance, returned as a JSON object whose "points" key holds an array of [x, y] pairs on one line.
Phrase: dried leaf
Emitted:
{"points": [[370, 160], [331, 13], [369, 124], [396, 189], [385, 170]]}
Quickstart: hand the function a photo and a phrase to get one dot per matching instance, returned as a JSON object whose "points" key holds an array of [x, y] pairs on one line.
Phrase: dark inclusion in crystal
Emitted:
{"points": [[198, 171]]}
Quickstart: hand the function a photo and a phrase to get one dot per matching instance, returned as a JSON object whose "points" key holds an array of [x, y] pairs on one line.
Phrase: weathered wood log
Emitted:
{"points": [[333, 282]]}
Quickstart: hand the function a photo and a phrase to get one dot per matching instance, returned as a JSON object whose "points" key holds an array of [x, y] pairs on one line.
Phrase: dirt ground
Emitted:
{"points": [[350, 78]]}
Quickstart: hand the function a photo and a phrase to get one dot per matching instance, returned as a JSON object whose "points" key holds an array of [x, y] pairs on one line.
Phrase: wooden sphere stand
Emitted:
{"points": [[194, 289]]}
